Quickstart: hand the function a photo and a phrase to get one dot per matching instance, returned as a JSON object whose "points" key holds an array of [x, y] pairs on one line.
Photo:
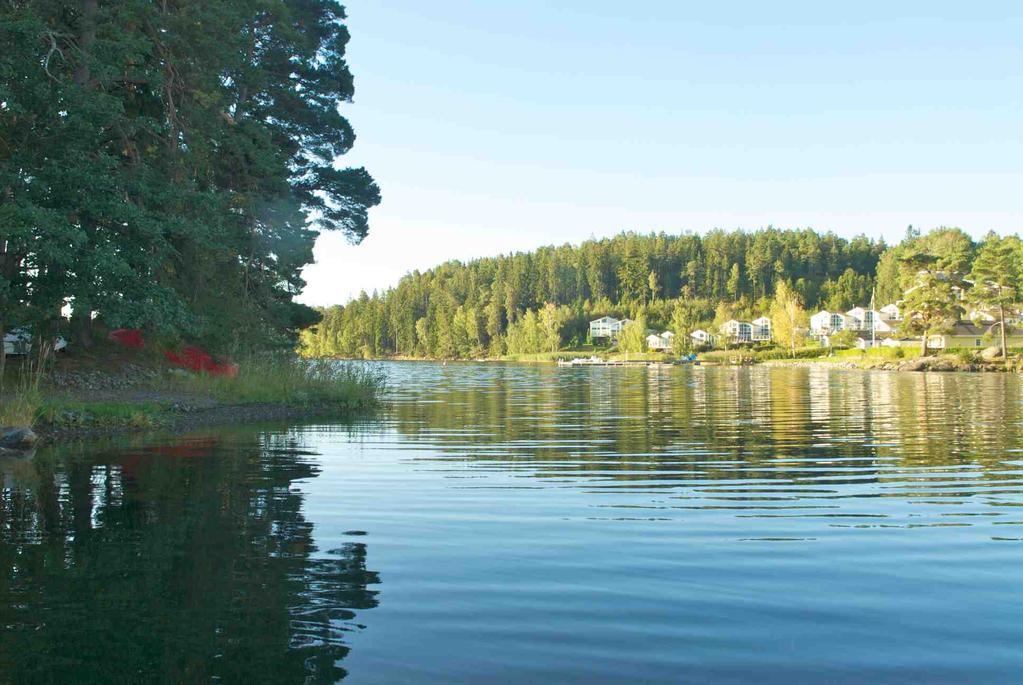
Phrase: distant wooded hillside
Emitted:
{"points": [[542, 300]]}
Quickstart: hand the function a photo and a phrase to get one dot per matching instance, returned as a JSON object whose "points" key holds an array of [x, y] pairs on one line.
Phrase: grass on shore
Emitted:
{"points": [[73, 414], [20, 408], [346, 386], [324, 385]]}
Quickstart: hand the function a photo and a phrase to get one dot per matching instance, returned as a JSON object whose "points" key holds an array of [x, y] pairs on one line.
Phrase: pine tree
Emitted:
{"points": [[996, 275]]}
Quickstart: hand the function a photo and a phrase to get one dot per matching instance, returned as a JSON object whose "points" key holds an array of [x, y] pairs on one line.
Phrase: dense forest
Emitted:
{"points": [[543, 300], [168, 165]]}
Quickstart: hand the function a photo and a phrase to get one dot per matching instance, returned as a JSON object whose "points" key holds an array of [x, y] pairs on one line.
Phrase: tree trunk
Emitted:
{"points": [[81, 328], [792, 336], [923, 344], [86, 37], [3, 356], [1001, 322]]}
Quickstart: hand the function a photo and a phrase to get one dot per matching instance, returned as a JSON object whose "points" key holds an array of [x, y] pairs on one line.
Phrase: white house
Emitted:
{"points": [[607, 327], [824, 322], [702, 338], [891, 312], [862, 319], [978, 315], [737, 332], [661, 341], [761, 329]]}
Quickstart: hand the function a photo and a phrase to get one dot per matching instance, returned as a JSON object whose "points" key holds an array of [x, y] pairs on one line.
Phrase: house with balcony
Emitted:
{"points": [[737, 332], [607, 327], [825, 323], [761, 329]]}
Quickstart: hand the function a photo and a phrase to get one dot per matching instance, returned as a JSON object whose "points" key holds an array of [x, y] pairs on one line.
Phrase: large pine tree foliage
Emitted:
{"points": [[168, 163]]}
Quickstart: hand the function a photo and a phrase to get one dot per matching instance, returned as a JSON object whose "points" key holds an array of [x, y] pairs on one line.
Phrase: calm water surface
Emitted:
{"points": [[527, 524]]}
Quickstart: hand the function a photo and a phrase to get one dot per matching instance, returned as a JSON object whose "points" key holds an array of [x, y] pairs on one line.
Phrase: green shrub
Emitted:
{"points": [[811, 352]]}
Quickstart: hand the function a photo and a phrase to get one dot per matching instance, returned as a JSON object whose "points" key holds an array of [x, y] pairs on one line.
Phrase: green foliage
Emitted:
{"points": [[788, 318], [809, 352], [770, 354], [633, 336], [930, 303], [614, 276], [849, 290], [997, 274], [619, 276], [169, 165], [685, 318], [843, 339]]}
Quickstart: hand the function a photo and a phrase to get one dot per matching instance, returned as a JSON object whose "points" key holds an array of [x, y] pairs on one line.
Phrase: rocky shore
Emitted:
{"points": [[945, 362], [127, 397]]}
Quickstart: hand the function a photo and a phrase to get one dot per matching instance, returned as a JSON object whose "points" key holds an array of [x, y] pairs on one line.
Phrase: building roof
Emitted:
{"points": [[969, 330]]}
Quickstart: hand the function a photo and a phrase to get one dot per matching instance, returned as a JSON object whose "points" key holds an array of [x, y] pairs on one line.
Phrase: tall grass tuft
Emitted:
{"points": [[288, 379], [20, 407]]}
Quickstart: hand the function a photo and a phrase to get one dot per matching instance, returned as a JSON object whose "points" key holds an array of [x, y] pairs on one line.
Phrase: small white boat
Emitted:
{"points": [[19, 342]]}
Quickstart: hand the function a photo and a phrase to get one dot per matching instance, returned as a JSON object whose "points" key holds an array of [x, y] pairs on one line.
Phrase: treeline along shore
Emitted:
{"points": [[541, 304], [165, 168]]}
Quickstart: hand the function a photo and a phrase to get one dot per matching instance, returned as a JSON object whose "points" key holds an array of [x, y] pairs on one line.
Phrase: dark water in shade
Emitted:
{"points": [[527, 524]]}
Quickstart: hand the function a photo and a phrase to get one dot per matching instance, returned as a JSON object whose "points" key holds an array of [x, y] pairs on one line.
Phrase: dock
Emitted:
{"points": [[597, 361]]}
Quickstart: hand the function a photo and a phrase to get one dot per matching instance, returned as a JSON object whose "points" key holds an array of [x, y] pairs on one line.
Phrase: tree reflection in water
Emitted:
{"points": [[185, 562]]}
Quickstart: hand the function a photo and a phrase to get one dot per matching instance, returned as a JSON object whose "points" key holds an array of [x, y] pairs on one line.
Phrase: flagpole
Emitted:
{"points": [[873, 323]]}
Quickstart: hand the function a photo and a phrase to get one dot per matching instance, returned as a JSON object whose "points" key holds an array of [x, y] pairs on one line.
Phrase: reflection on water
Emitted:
{"points": [[188, 561], [804, 439], [539, 524]]}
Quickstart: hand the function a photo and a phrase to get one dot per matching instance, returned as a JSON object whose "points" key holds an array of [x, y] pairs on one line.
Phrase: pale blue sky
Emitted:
{"points": [[494, 127]]}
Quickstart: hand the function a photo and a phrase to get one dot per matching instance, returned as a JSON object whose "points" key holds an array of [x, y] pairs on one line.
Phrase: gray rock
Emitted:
{"points": [[991, 353], [18, 438], [913, 365]]}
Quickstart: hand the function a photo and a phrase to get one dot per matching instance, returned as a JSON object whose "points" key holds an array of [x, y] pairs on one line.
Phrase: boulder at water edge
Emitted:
{"points": [[991, 353], [17, 438]]}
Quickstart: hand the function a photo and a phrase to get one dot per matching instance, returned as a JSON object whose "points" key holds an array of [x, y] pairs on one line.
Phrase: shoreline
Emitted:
{"points": [[116, 397], [177, 420], [948, 363]]}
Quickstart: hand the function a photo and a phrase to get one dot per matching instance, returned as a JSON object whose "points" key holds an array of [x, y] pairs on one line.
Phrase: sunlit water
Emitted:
{"points": [[525, 524]]}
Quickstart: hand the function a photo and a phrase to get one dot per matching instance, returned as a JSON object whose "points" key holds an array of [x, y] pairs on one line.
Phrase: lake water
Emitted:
{"points": [[532, 524]]}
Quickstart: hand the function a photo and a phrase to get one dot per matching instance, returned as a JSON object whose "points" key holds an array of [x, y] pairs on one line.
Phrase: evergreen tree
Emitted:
{"points": [[930, 304], [169, 165], [996, 279]]}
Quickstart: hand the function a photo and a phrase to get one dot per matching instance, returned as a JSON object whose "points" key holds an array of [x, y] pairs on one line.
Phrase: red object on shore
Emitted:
{"points": [[195, 359], [128, 337]]}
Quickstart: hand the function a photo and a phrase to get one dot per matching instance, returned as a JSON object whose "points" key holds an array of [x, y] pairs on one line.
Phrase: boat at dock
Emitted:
{"points": [[597, 361]]}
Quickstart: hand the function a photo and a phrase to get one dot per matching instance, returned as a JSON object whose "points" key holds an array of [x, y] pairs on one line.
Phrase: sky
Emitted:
{"points": [[494, 127]]}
